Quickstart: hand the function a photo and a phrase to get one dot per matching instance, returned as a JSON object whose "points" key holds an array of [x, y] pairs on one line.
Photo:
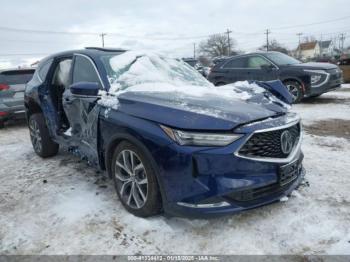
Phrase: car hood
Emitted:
{"points": [[315, 66], [196, 112]]}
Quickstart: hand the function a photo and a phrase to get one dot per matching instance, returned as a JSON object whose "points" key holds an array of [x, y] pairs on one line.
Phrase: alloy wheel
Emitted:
{"points": [[35, 135], [131, 178], [294, 90]]}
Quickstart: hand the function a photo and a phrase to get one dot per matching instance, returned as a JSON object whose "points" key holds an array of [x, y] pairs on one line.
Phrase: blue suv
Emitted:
{"points": [[171, 140]]}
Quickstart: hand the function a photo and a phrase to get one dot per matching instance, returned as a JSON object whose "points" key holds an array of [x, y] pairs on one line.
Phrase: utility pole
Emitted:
{"points": [[299, 35], [194, 50], [267, 39], [103, 39], [228, 32], [342, 39]]}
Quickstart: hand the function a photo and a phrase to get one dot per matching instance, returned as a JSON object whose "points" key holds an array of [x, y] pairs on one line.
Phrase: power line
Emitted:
{"points": [[310, 24], [3, 28]]}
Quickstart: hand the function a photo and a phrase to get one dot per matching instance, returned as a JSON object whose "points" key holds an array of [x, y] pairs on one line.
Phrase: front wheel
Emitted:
{"points": [[135, 180], [42, 143], [295, 89]]}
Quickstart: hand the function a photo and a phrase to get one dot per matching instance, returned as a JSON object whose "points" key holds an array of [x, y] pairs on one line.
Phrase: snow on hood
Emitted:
{"points": [[147, 73]]}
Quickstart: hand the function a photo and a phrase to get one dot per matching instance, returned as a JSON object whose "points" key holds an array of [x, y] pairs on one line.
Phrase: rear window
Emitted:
{"points": [[16, 77]]}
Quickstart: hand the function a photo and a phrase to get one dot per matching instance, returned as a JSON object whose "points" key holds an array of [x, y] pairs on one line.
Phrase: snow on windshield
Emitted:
{"points": [[134, 68], [149, 72]]}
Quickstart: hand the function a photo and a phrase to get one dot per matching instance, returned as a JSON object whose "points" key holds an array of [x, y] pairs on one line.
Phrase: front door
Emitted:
{"points": [[82, 112], [259, 68]]}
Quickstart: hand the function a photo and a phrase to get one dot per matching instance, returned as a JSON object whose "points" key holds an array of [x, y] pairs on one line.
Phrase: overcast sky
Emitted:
{"points": [[168, 26]]}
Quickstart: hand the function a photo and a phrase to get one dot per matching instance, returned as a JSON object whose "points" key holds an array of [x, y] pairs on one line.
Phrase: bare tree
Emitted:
{"points": [[275, 46], [217, 45]]}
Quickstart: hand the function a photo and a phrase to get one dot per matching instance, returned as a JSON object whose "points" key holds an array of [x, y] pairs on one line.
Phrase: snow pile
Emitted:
{"points": [[150, 72]]}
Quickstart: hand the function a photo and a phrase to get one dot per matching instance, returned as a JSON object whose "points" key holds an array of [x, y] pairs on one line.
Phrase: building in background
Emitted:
{"points": [[316, 50]]}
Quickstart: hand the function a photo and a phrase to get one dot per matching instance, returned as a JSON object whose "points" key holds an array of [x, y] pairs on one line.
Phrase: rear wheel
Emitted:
{"points": [[295, 89], [135, 180], [42, 143], [220, 84], [2, 124]]}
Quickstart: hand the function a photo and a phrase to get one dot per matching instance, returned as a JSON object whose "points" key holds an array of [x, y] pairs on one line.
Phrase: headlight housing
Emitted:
{"points": [[315, 78], [199, 138], [318, 77]]}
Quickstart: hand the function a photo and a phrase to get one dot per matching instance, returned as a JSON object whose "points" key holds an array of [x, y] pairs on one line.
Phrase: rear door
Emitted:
{"points": [[235, 69], [12, 85], [261, 69]]}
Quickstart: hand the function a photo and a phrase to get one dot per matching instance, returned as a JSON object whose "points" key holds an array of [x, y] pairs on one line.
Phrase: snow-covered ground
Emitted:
{"points": [[61, 206]]}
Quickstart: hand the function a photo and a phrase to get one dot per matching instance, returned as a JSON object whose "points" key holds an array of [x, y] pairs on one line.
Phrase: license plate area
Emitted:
{"points": [[288, 173]]}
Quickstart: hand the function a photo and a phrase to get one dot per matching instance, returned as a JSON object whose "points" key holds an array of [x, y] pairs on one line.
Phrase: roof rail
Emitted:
{"points": [[106, 49]]}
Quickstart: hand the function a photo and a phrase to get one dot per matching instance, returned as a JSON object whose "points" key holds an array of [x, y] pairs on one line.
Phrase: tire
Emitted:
{"points": [[295, 89], [135, 182], [40, 137], [2, 124], [220, 84]]}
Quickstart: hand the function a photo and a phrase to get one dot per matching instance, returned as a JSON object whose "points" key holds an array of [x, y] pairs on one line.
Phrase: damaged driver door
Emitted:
{"points": [[81, 109]]}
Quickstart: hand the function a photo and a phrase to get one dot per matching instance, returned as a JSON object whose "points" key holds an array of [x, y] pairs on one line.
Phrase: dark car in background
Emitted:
{"points": [[12, 84], [204, 70], [170, 140], [301, 79]]}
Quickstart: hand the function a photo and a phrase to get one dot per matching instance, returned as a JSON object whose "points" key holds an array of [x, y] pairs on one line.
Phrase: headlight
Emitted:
{"points": [[315, 78], [200, 139]]}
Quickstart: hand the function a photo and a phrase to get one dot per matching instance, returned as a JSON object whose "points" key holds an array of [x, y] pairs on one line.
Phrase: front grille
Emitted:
{"points": [[268, 144]]}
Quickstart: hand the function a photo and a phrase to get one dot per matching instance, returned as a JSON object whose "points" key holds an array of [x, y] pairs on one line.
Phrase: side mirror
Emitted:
{"points": [[85, 89]]}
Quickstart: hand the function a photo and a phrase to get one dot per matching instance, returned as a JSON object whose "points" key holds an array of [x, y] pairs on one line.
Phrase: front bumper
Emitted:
{"points": [[332, 84], [202, 182]]}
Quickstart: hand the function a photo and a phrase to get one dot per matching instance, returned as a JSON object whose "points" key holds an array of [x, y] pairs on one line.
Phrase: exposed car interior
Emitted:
{"points": [[61, 81]]}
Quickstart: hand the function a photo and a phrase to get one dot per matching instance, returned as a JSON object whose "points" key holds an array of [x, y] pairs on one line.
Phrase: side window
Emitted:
{"points": [[62, 73], [84, 71], [44, 69], [236, 63], [257, 62]]}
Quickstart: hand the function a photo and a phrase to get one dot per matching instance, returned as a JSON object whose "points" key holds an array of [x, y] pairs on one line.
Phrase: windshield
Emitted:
{"points": [[282, 59], [132, 68]]}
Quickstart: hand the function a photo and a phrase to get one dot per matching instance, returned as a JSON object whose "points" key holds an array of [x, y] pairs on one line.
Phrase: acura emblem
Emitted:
{"points": [[286, 142]]}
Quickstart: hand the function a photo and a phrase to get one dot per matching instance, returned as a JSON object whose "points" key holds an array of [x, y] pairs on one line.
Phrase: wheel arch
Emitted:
{"points": [[31, 108]]}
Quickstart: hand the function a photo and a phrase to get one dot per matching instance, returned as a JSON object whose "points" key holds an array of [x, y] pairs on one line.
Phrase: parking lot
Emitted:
{"points": [[61, 206]]}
